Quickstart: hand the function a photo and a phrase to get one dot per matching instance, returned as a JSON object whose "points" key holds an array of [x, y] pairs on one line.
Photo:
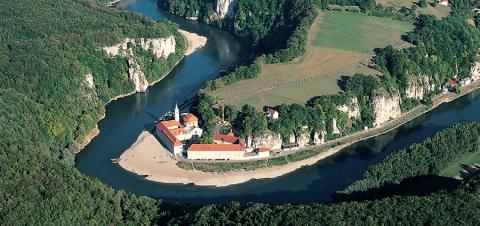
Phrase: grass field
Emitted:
{"points": [[340, 44], [439, 11], [358, 32], [466, 160]]}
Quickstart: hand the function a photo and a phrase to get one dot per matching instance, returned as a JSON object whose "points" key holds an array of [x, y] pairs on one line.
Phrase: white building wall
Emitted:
{"points": [[215, 155]]}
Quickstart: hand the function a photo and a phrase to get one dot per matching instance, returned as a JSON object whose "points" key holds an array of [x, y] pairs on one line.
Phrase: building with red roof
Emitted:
{"points": [[172, 133], [216, 152], [230, 138]]}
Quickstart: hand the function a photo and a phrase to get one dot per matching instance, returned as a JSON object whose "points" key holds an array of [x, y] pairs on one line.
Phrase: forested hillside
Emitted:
{"points": [[276, 28], [427, 158], [46, 50], [461, 207]]}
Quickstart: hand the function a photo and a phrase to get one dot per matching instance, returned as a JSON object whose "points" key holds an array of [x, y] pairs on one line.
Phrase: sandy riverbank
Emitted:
{"points": [[194, 41], [147, 157]]}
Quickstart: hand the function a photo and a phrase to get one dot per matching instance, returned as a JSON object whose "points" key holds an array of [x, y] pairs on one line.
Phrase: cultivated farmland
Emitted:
{"points": [[340, 44]]}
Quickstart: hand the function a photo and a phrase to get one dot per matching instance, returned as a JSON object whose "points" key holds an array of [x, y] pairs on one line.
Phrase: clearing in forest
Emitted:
{"points": [[462, 163], [340, 44], [439, 11]]}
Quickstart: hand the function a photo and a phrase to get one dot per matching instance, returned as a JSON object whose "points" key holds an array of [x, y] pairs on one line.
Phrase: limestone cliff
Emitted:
{"points": [[160, 47], [385, 106], [137, 76], [319, 137], [419, 86], [90, 91], [224, 9], [335, 129], [266, 139], [475, 71], [303, 137], [292, 139], [351, 108]]}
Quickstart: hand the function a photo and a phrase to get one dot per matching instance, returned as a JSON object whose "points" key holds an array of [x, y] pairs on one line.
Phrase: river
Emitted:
{"points": [[126, 118]]}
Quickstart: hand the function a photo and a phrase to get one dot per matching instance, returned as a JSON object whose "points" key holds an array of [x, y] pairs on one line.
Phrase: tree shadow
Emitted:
{"points": [[342, 82], [415, 186]]}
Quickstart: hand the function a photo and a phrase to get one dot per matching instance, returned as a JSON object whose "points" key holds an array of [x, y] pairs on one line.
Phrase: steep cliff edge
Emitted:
{"points": [[160, 47], [385, 106], [267, 139], [224, 9], [419, 86], [475, 71], [351, 108]]}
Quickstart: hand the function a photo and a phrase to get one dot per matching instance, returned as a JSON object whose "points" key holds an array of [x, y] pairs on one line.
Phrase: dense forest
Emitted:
{"points": [[460, 207], [429, 157], [46, 48]]}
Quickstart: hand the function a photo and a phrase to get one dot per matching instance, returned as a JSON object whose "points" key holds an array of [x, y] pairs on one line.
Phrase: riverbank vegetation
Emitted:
{"points": [[47, 48], [431, 157]]}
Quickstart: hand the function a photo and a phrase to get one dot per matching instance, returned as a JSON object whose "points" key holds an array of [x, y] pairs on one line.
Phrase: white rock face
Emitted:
{"points": [[89, 81], [160, 47], [385, 106], [475, 71], [335, 129], [303, 138], [419, 86], [90, 92], [267, 139], [137, 76], [224, 9], [351, 108], [319, 137], [292, 138]]}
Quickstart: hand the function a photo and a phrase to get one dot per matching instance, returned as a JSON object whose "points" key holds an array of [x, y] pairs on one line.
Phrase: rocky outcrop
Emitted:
{"points": [[303, 137], [385, 106], [418, 86], [319, 137], [351, 108], [89, 81], [266, 139], [292, 139], [224, 9], [137, 76], [160, 47], [475, 71], [90, 91], [335, 129]]}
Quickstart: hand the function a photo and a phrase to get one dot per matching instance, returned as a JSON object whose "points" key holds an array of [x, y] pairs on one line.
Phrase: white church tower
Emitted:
{"points": [[177, 113]]}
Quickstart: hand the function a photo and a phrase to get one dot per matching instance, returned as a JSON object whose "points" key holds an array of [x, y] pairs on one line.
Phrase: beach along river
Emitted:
{"points": [[128, 117]]}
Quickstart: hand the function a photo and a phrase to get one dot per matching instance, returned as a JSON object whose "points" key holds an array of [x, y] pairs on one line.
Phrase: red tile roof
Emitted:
{"points": [[190, 118], [171, 137], [228, 139], [263, 149], [216, 147], [231, 134], [170, 123]]}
